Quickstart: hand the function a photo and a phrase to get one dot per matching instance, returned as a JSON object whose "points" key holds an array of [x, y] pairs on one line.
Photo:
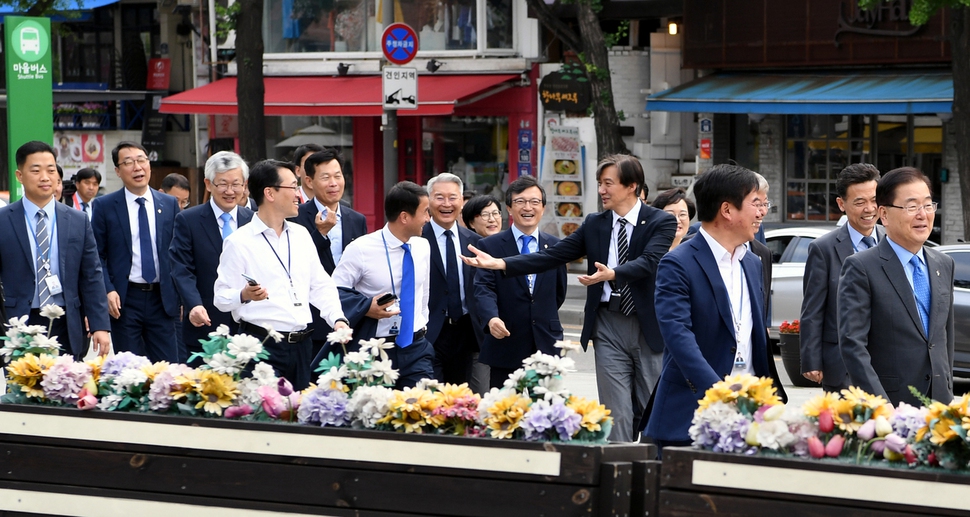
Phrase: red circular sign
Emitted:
{"points": [[399, 43]]}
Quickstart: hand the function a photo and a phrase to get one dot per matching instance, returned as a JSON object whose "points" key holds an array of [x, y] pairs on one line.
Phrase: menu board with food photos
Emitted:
{"points": [[563, 171], [77, 150]]}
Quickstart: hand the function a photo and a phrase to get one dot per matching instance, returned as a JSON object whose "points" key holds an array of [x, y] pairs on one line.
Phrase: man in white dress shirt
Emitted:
{"points": [[396, 260], [264, 281]]}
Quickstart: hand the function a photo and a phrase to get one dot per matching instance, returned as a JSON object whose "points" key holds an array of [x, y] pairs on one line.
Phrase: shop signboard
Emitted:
{"points": [[562, 176], [565, 90], [30, 114], [153, 131], [159, 71]]}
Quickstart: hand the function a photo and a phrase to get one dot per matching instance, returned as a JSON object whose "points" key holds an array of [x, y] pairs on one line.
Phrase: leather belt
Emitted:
{"points": [[260, 332], [417, 335], [143, 287]]}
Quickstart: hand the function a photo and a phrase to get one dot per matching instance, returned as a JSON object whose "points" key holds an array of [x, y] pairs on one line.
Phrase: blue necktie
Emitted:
{"points": [[454, 284], [526, 241], [226, 227], [406, 336], [921, 288], [43, 260], [869, 242], [145, 241]]}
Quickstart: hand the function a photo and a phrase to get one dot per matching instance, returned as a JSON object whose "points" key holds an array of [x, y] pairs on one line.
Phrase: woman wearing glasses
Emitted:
{"points": [[483, 215], [676, 203]]}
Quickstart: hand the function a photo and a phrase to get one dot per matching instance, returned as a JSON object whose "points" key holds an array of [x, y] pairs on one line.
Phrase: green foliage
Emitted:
{"points": [[621, 33], [226, 19], [332, 361], [574, 71], [921, 10], [620, 115], [923, 399]]}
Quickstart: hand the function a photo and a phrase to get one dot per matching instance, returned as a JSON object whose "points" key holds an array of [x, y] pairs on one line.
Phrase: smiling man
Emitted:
{"points": [[623, 245], [896, 300], [133, 227], [821, 358]]}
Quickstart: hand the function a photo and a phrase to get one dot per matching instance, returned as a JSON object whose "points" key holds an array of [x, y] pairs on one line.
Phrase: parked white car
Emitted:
{"points": [[789, 251]]}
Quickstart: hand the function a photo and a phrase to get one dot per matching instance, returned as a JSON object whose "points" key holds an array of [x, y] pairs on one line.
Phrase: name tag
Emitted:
{"points": [[54, 285], [395, 325], [295, 298]]}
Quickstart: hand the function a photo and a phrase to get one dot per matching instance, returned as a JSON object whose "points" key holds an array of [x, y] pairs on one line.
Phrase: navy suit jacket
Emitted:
{"points": [[438, 301], [111, 230], [651, 239], [353, 225], [694, 313], [195, 251], [80, 270], [532, 319]]}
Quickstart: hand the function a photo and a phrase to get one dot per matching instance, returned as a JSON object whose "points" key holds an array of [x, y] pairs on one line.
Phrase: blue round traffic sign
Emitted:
{"points": [[399, 43]]}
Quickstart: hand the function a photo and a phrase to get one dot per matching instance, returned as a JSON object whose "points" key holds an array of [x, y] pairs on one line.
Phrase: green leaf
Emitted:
{"points": [[332, 360]]}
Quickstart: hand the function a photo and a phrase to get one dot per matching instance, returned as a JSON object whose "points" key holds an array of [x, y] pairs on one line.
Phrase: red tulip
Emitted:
{"points": [[815, 447], [909, 455], [834, 447], [238, 411], [826, 423]]}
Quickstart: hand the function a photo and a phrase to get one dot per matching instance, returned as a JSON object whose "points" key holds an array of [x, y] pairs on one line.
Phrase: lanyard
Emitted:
{"points": [[51, 228], [289, 255], [390, 272]]}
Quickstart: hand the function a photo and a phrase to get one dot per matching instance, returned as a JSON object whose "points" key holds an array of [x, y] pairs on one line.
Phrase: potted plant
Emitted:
{"points": [[789, 340]]}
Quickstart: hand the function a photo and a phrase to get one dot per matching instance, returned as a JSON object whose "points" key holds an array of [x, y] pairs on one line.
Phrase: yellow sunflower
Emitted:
{"points": [[183, 385], [95, 365], [409, 410], [593, 413], [857, 397], [152, 370], [505, 416], [814, 406], [218, 391], [448, 393], [28, 371]]}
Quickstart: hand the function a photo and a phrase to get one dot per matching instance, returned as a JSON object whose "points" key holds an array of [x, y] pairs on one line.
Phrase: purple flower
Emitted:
{"points": [[550, 421], [284, 387], [64, 380], [324, 407], [114, 365], [895, 443]]}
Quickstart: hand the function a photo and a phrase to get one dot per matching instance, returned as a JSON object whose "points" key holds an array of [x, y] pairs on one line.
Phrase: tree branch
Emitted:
{"points": [[547, 18]]}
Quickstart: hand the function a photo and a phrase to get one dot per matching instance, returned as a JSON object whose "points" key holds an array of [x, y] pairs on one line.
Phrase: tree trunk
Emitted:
{"points": [[608, 140], [249, 81], [960, 52]]}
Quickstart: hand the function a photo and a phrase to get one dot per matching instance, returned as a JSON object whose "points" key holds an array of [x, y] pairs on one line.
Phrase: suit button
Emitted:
{"points": [[734, 349], [927, 376]]}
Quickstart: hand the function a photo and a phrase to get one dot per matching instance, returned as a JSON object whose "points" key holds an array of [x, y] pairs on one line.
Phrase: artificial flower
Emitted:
{"points": [[51, 312], [505, 416], [217, 391]]}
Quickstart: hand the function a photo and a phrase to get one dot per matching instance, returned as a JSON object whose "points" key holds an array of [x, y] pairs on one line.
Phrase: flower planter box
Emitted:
{"points": [[67, 462], [696, 482]]}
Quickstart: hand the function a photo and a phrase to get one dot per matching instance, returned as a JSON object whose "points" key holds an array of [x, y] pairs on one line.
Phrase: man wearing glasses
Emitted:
{"points": [[133, 228], [197, 245], [896, 300]]}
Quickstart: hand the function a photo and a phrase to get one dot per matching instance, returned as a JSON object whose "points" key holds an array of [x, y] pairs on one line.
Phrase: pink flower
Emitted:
{"points": [[834, 447], [276, 405], [909, 455], [815, 447], [826, 423], [878, 447], [85, 400], [868, 430], [895, 443], [238, 411]]}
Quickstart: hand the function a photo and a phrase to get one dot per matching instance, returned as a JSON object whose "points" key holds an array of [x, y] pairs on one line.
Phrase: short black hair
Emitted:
{"points": [[87, 173], [125, 144], [32, 147], [520, 185], [731, 183], [175, 180], [628, 169], [669, 197], [855, 174], [886, 188], [403, 197], [304, 150], [327, 155], [475, 205], [60, 171], [265, 174]]}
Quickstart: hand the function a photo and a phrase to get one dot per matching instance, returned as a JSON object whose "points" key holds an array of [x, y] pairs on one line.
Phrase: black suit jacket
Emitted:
{"points": [[438, 300], [651, 239], [195, 252], [532, 319]]}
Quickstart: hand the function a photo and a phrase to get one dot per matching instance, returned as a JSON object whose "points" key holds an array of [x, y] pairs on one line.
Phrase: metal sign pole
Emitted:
{"points": [[389, 119]]}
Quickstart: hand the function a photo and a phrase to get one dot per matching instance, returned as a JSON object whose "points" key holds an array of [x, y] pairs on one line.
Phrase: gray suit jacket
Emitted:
{"points": [[819, 318], [881, 335]]}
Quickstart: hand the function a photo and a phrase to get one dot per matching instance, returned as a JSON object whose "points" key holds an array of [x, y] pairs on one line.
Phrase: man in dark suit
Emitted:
{"points": [[332, 226], [197, 245], [521, 313], [453, 324], [710, 302], [49, 257], [133, 228], [86, 183], [821, 358], [623, 245], [300, 155], [896, 300]]}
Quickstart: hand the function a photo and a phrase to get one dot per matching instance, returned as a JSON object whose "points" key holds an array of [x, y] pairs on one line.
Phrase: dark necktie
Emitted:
{"points": [[145, 241], [84, 207], [622, 249], [921, 288], [43, 259], [451, 277], [406, 336], [869, 242], [526, 241]]}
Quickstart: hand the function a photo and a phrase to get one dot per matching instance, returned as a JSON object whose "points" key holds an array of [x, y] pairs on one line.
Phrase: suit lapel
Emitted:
{"points": [[161, 216], [638, 233], [543, 245], [843, 246], [121, 210], [511, 249], [897, 277], [64, 231], [600, 238], [21, 229], [939, 286], [210, 226], [435, 252], [705, 258]]}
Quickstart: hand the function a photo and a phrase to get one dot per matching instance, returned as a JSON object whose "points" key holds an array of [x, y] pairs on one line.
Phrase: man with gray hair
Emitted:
{"points": [[453, 326], [197, 245]]}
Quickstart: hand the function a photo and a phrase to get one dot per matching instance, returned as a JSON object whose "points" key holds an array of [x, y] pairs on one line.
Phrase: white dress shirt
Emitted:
{"points": [[738, 294], [366, 270], [233, 216], [442, 241], [335, 235], [611, 262], [130, 201], [246, 251]]}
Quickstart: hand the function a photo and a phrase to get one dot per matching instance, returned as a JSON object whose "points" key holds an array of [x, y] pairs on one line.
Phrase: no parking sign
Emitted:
{"points": [[399, 43]]}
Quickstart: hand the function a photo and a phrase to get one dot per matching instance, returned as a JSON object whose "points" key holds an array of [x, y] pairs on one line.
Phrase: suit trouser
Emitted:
{"points": [[144, 328], [413, 363], [454, 350], [627, 369]]}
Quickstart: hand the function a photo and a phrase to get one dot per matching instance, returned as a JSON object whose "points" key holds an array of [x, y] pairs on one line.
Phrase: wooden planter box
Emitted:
{"points": [[697, 482], [60, 461]]}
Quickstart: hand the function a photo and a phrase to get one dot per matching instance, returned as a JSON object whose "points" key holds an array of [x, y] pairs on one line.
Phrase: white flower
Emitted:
{"points": [[342, 336], [549, 365], [271, 333], [356, 358], [775, 435], [221, 330], [552, 389], [244, 348], [264, 375], [376, 347], [51, 311], [514, 379], [48, 343], [369, 404], [109, 402], [34, 330], [17, 323], [567, 346], [333, 375], [222, 363], [383, 369], [428, 384], [130, 377], [248, 391]]}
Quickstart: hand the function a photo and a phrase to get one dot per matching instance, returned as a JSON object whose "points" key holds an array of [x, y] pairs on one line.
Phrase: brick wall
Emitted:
{"points": [[952, 213]]}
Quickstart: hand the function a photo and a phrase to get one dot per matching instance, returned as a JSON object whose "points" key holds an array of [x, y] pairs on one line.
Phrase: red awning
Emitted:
{"points": [[348, 96]]}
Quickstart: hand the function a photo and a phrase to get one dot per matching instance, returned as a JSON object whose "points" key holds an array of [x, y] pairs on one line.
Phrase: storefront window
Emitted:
{"points": [[818, 148], [499, 21], [353, 26], [473, 148]]}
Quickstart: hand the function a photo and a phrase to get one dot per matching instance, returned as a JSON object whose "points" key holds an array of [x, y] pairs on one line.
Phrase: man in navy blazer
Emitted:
{"points": [[332, 226], [133, 227], [197, 246], [521, 314], [619, 299], [453, 324], [72, 257], [710, 302]]}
